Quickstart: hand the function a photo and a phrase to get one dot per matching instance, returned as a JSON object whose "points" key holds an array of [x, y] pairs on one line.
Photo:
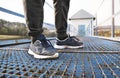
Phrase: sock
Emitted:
{"points": [[34, 39], [39, 37], [62, 38]]}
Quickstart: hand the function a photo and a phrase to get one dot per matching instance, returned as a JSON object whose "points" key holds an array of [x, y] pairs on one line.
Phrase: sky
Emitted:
{"points": [[75, 5], [90, 6]]}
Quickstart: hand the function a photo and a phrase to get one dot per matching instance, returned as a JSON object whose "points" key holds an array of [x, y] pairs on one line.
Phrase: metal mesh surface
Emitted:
{"points": [[91, 44], [97, 44], [18, 63], [98, 59]]}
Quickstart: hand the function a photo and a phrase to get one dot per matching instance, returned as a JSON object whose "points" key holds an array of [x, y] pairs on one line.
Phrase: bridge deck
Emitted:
{"points": [[99, 58]]}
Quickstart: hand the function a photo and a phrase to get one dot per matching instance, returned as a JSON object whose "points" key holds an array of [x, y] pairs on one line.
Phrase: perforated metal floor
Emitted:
{"points": [[91, 44], [98, 59]]}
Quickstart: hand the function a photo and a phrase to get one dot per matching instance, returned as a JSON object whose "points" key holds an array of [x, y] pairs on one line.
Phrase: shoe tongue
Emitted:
{"points": [[45, 43], [42, 42]]}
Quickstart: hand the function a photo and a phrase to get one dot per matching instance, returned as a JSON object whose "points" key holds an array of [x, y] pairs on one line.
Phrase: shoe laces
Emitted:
{"points": [[75, 38], [46, 43]]}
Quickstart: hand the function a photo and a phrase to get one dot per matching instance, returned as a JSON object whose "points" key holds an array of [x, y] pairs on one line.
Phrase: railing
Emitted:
{"points": [[108, 15], [18, 14]]}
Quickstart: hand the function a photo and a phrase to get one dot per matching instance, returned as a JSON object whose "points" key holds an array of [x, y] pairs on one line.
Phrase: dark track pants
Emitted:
{"points": [[34, 16]]}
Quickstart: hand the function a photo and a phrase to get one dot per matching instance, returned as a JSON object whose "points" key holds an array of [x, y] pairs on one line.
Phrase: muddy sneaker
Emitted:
{"points": [[70, 42], [43, 50]]}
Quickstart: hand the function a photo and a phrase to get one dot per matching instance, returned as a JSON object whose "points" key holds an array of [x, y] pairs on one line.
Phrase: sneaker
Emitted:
{"points": [[70, 42], [74, 37], [43, 50]]}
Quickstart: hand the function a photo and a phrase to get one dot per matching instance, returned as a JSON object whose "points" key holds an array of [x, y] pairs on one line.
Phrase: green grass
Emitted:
{"points": [[9, 37]]}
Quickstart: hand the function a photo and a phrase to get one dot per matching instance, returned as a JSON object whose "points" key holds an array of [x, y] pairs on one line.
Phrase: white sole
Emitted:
{"points": [[56, 55], [65, 46]]}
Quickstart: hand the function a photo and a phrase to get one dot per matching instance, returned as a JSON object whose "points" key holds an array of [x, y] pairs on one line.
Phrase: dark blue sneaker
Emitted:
{"points": [[70, 42], [43, 50]]}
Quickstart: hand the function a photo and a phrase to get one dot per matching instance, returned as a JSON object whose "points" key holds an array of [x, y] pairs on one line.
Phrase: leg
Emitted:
{"points": [[61, 14], [40, 47], [34, 16]]}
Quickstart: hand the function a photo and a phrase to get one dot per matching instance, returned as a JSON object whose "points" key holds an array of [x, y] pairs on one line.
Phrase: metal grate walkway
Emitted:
{"points": [[98, 59]]}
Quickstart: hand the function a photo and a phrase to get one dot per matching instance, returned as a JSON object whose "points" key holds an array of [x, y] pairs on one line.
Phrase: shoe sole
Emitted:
{"points": [[56, 55], [65, 46]]}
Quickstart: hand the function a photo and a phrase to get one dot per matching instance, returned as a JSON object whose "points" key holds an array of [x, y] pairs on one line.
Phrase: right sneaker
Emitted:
{"points": [[43, 50], [70, 42]]}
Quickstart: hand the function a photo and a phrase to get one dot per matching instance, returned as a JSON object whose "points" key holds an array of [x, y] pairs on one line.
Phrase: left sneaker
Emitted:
{"points": [[70, 42], [43, 49]]}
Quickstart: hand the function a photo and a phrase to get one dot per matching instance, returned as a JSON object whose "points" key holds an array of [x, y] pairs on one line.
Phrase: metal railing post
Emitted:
{"points": [[113, 21]]}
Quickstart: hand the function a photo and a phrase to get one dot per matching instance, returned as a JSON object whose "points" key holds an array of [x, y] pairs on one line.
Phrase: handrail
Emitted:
{"points": [[18, 14], [11, 12]]}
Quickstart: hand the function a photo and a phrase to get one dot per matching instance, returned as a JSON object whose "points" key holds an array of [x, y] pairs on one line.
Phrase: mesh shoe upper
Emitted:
{"points": [[43, 48], [71, 41]]}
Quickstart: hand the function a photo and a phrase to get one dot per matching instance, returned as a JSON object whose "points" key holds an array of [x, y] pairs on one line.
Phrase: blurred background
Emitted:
{"points": [[86, 18]]}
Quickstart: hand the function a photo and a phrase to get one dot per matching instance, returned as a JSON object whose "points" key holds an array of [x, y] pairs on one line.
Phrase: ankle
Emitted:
{"points": [[63, 38], [40, 37]]}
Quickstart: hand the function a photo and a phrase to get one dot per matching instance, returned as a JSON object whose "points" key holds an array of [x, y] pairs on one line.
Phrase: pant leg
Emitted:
{"points": [[61, 15], [34, 16]]}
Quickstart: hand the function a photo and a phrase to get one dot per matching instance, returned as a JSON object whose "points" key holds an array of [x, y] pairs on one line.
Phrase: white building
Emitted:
{"points": [[82, 24]]}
